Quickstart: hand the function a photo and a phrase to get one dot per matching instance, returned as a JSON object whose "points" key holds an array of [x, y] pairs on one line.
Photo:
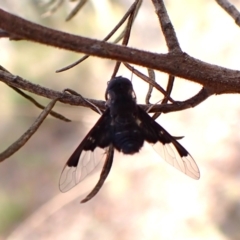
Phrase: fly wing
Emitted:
{"points": [[167, 146], [88, 154]]}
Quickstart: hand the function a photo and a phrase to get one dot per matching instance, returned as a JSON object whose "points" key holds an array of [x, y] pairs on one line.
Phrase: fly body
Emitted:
{"points": [[124, 126]]}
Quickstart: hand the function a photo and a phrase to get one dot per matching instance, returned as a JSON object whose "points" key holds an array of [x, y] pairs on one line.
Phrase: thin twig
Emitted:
{"points": [[55, 6], [47, 4], [37, 104], [27, 135], [147, 79], [168, 93], [105, 171], [201, 96], [90, 104], [151, 75], [77, 8], [18, 82], [123, 19], [32, 100], [126, 37], [166, 25], [230, 9], [169, 88], [135, 9]]}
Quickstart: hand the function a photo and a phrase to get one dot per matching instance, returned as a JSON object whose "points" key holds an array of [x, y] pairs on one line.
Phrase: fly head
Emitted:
{"points": [[120, 97]]}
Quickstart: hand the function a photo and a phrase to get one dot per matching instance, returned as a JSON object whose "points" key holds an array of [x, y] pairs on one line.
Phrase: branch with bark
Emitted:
{"points": [[213, 79]]}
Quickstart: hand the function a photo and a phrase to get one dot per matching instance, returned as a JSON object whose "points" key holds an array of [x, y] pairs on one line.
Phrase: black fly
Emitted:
{"points": [[123, 126]]}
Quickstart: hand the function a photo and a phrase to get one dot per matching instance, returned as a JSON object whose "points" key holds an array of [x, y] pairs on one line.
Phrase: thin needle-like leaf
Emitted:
{"points": [[91, 105], [167, 96], [123, 19], [76, 9], [28, 134], [32, 100], [151, 74], [105, 171], [147, 79]]}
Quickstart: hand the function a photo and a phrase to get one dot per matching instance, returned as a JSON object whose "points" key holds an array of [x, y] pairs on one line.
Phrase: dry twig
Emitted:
{"points": [[220, 79], [123, 19], [166, 25], [28, 134], [230, 9]]}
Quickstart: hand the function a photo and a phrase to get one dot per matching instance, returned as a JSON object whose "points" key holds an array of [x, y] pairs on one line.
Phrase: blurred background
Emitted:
{"points": [[143, 197]]}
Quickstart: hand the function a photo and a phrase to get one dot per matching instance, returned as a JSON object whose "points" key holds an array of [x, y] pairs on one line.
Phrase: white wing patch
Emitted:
{"points": [[88, 161], [185, 164]]}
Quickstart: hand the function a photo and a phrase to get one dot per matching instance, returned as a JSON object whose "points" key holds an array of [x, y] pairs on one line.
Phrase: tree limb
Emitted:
{"points": [[166, 25], [179, 64], [231, 10]]}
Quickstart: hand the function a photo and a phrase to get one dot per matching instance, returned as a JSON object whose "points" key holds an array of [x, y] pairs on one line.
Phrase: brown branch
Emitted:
{"points": [[18, 82], [127, 33], [171, 40], [147, 79], [201, 96], [169, 88], [231, 10], [37, 104], [151, 75], [167, 96], [32, 100], [105, 171], [90, 104], [222, 80], [166, 25]]}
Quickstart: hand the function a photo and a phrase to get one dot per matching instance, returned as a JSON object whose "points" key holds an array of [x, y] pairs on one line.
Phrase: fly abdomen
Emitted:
{"points": [[128, 141]]}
